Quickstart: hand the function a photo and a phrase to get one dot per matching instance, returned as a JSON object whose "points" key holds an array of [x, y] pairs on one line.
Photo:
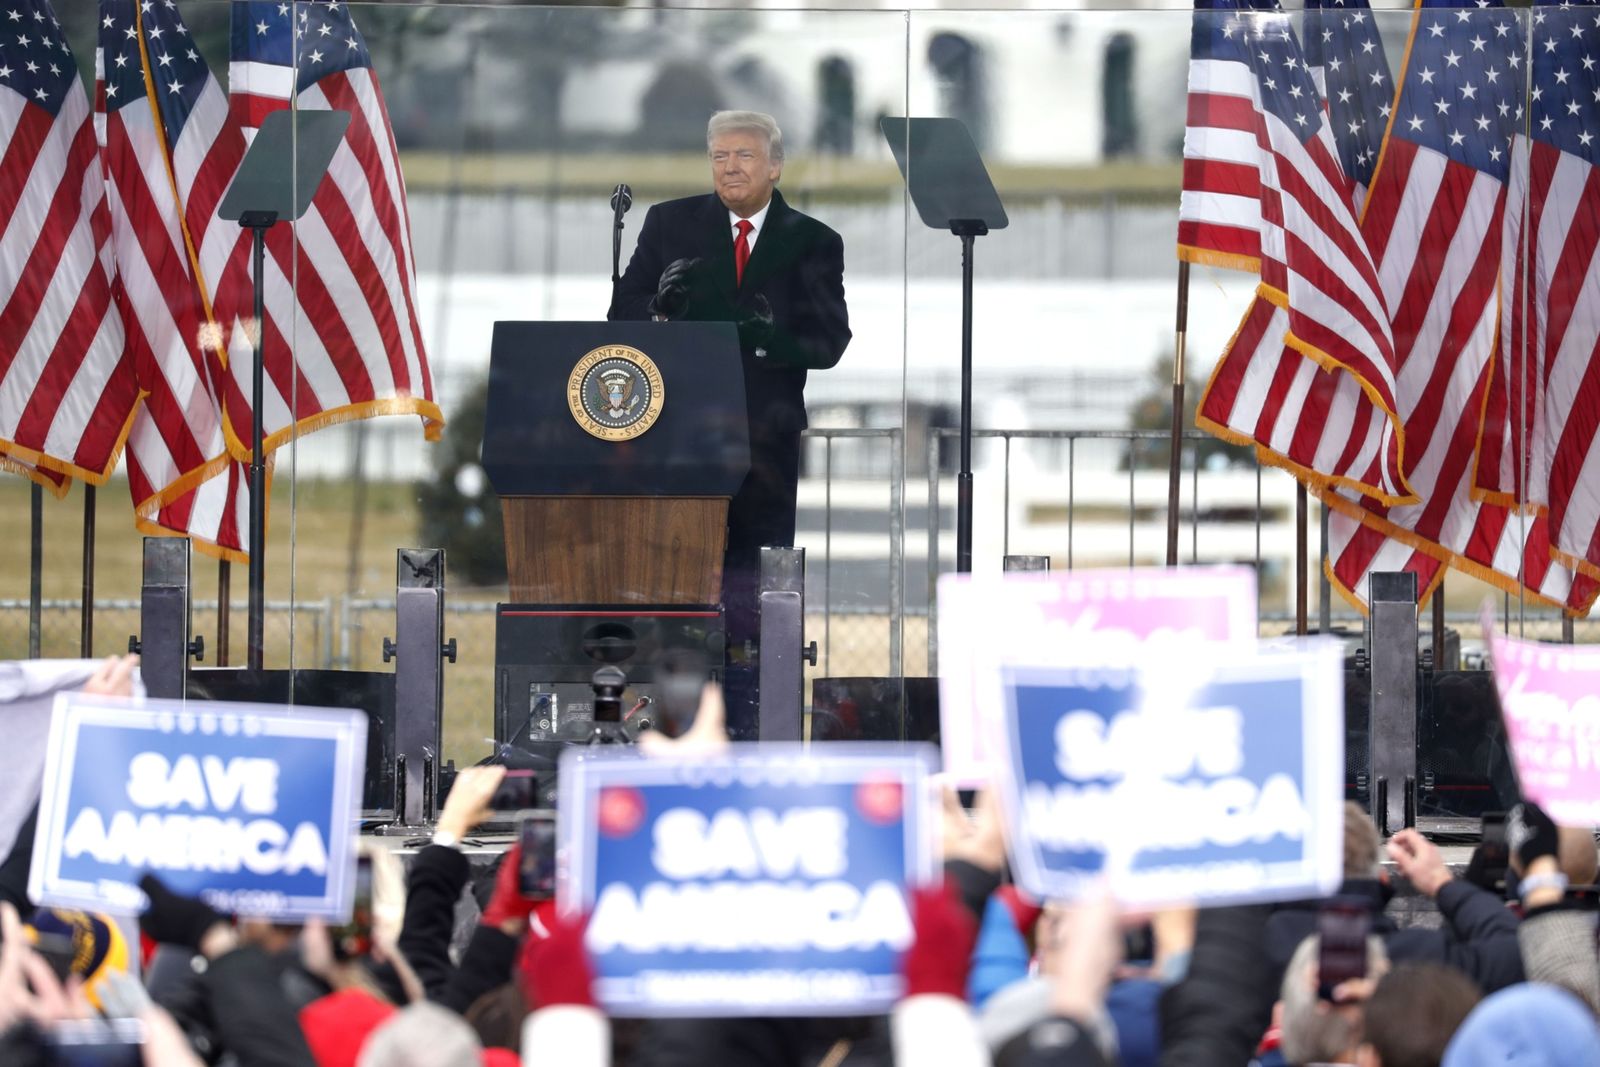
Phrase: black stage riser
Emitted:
{"points": [[1463, 766]]}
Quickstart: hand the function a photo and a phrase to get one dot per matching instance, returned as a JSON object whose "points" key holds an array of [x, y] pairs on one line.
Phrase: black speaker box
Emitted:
{"points": [[1463, 767], [370, 691]]}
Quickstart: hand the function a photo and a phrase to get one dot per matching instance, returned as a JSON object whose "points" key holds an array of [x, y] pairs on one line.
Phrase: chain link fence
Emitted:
{"points": [[875, 552], [301, 633]]}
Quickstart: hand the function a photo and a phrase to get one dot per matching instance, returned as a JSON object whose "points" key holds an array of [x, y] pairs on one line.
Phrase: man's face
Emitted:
{"points": [[741, 172]]}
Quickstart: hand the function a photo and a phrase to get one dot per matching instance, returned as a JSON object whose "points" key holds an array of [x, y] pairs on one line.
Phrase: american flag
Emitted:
{"points": [[1219, 213], [1350, 68], [170, 149], [66, 394], [349, 314], [214, 515], [1433, 221], [1539, 448], [1313, 354], [57, 483]]}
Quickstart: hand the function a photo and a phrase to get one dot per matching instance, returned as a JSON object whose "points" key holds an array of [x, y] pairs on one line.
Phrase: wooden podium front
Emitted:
{"points": [[601, 511], [615, 549]]}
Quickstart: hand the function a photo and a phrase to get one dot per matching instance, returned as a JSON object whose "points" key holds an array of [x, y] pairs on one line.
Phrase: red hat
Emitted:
{"points": [[337, 1025]]}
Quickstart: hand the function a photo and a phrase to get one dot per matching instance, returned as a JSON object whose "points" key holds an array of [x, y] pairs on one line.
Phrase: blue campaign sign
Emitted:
{"points": [[767, 881], [1216, 778], [251, 807]]}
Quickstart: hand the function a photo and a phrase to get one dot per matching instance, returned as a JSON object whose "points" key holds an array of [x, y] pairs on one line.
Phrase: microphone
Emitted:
{"points": [[621, 201]]}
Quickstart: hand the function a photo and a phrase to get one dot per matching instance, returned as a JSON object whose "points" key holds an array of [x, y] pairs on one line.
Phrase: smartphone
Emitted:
{"points": [[1493, 856], [97, 1042], [1343, 925], [354, 938], [537, 877], [517, 791]]}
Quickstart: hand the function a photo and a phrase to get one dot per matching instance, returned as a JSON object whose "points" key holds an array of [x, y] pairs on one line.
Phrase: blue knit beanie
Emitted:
{"points": [[1527, 1025]]}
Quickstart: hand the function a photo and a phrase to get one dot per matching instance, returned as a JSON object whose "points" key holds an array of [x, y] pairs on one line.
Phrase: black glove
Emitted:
{"points": [[1486, 868], [755, 325], [1530, 834], [672, 291], [172, 919]]}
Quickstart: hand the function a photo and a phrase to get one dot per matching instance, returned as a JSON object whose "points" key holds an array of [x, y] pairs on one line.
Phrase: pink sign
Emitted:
{"points": [[1550, 699], [1118, 616]]}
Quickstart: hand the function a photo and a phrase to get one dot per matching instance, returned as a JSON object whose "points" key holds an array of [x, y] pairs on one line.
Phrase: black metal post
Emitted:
{"points": [[1392, 711], [358, 508], [224, 608], [86, 620], [1438, 626], [36, 571], [1301, 587], [1324, 586], [781, 715], [258, 223], [1175, 461], [967, 230]]}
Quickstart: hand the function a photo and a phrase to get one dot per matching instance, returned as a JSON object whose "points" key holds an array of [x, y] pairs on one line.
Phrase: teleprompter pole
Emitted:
{"points": [[967, 230], [275, 181], [951, 189], [1175, 462], [258, 222]]}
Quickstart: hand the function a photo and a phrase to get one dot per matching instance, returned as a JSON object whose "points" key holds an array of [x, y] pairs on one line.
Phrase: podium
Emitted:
{"points": [[614, 448]]}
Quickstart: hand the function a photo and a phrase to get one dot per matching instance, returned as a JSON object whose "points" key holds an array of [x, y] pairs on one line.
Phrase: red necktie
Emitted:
{"points": [[741, 250]]}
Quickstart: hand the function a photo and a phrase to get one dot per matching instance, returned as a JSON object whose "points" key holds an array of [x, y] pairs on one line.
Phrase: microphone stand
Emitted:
{"points": [[621, 201], [616, 250]]}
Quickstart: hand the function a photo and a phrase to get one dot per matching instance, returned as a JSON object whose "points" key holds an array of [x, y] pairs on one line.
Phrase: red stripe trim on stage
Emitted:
{"points": [[617, 614]]}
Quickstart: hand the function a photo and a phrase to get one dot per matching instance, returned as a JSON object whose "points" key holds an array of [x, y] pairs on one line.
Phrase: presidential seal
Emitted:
{"points": [[615, 393]]}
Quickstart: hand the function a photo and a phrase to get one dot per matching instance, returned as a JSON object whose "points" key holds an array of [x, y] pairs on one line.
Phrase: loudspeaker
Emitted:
{"points": [[370, 691], [875, 709], [1463, 765]]}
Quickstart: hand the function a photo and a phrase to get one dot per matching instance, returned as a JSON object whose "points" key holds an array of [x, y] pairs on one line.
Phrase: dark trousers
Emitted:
{"points": [[762, 513]]}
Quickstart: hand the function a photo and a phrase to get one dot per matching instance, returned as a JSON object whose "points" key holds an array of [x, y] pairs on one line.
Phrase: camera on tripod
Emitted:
{"points": [[610, 725], [615, 714]]}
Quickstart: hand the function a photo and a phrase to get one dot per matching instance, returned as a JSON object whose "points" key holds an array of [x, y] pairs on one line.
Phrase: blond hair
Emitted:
{"points": [[751, 121]]}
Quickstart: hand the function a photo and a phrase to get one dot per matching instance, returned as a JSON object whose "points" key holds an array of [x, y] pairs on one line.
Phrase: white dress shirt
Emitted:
{"points": [[757, 220]]}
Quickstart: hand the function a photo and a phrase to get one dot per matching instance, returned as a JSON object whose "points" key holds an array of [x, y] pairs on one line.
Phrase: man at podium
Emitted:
{"points": [[741, 254]]}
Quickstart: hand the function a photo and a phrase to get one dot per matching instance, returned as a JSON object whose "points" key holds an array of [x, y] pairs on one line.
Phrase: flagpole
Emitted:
{"points": [[1324, 586], [224, 608], [1438, 625], [86, 619], [1301, 586], [1523, 364], [1175, 460], [35, 570], [258, 222]]}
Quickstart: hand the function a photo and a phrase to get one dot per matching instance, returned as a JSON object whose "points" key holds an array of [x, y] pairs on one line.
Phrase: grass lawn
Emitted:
{"points": [[309, 558]]}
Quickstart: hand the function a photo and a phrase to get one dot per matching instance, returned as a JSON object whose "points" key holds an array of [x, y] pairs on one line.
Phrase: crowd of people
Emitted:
{"points": [[1508, 974]]}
